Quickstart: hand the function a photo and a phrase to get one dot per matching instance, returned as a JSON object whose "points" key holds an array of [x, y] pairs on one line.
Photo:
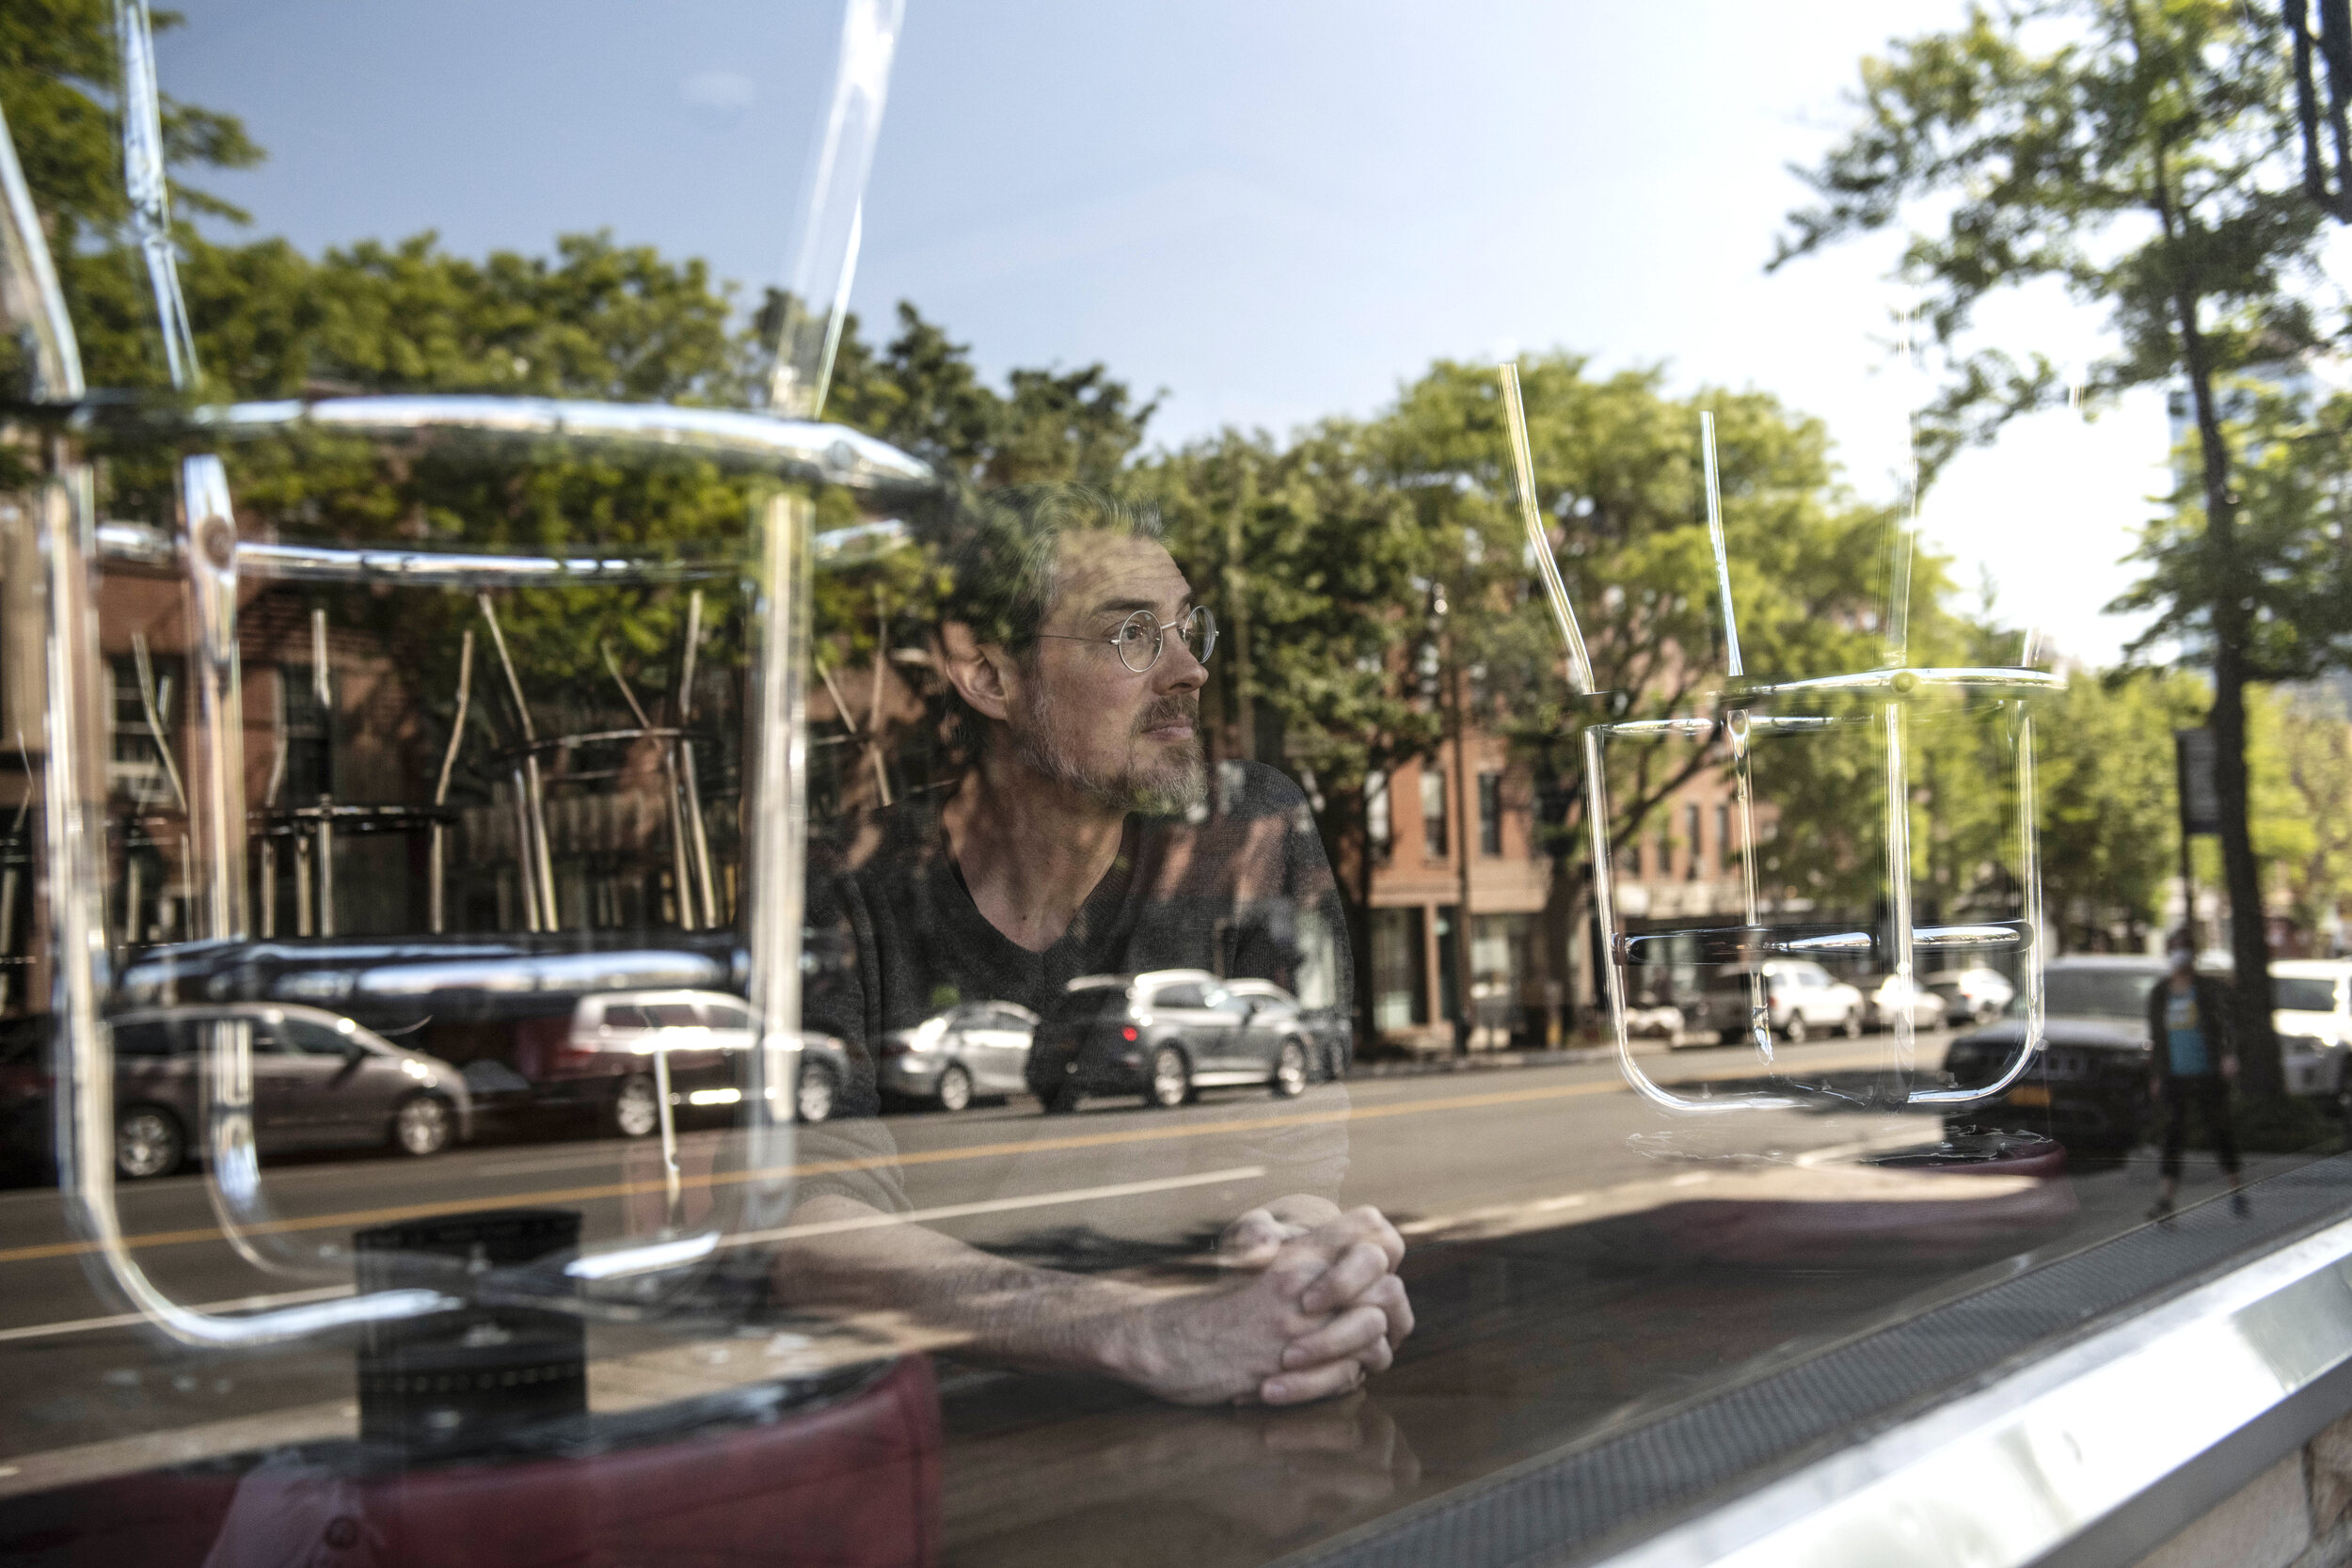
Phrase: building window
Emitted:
{"points": [[1633, 859], [1723, 839], [309, 738], [1665, 853], [1690, 865], [135, 762], [1433, 813], [1400, 995], [1490, 814], [1377, 826]]}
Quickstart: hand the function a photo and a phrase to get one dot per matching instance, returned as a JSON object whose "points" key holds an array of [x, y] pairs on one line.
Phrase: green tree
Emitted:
{"points": [[2301, 792], [58, 76], [2140, 153], [922, 394], [1316, 576], [1618, 477], [2110, 826]]}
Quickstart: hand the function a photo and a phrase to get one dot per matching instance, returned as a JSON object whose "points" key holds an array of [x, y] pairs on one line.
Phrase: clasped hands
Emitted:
{"points": [[1317, 1307]]}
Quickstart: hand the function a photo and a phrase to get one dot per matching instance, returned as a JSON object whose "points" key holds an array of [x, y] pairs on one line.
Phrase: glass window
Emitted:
{"points": [[2099, 993], [306, 726], [2303, 995], [520, 589], [144, 1039], [1399, 969], [274, 1039], [303, 1037]]}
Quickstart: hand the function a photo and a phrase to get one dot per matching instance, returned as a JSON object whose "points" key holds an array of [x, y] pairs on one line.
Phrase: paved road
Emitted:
{"points": [[1579, 1257]]}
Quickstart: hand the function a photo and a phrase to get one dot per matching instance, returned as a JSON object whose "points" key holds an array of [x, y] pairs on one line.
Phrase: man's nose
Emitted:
{"points": [[1178, 670]]}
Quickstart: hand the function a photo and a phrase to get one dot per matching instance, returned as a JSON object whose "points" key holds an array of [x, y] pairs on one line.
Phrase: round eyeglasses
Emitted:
{"points": [[1139, 636]]}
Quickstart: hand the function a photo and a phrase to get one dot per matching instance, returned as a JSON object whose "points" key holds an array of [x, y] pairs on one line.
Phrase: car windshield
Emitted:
{"points": [[2303, 993], [2121, 993]]}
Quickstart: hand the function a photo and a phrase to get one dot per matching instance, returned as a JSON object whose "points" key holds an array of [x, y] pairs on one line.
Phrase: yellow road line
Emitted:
{"points": [[824, 1167]]}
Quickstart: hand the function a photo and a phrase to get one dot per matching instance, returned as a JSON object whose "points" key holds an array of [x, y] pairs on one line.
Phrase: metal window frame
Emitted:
{"points": [[2075, 1416]]}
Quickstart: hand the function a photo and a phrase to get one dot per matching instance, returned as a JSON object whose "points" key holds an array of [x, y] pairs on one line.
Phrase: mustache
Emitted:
{"points": [[1175, 708]]}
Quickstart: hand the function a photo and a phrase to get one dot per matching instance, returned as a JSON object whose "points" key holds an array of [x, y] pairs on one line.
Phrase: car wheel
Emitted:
{"points": [[422, 1125], [1851, 1028], [1793, 1031], [813, 1096], [1985, 1013], [1171, 1080], [637, 1107], [148, 1142], [1290, 1070], [955, 1089]]}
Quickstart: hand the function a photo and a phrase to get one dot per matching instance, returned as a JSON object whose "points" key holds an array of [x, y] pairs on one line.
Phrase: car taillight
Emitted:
{"points": [[1129, 1033]]}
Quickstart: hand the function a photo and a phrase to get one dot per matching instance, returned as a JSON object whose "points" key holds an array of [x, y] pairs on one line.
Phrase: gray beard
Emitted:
{"points": [[1169, 790]]}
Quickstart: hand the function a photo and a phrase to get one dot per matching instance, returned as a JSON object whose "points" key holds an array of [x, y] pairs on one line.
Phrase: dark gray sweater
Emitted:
{"points": [[894, 936]]}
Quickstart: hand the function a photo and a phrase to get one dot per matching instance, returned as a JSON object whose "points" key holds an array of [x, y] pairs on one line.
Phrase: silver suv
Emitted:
{"points": [[617, 1039]]}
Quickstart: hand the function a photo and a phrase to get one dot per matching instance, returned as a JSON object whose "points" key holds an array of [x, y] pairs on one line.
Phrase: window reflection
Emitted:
{"points": [[669, 979]]}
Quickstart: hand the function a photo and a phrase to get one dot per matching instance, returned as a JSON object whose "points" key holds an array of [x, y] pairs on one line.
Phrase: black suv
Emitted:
{"points": [[1165, 1035]]}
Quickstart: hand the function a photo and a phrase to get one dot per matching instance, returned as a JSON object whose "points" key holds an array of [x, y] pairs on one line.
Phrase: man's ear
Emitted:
{"points": [[982, 673]]}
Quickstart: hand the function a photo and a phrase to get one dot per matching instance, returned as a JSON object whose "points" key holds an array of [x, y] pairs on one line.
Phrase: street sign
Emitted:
{"points": [[2201, 804]]}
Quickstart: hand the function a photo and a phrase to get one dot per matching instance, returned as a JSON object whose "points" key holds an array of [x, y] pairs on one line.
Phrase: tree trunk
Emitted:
{"points": [[1345, 830], [2259, 1072]]}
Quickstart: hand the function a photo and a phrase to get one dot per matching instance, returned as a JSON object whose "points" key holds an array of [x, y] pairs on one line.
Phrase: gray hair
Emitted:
{"points": [[1005, 572]]}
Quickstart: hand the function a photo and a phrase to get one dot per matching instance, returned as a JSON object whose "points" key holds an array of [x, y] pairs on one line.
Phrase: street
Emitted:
{"points": [[1579, 1259]]}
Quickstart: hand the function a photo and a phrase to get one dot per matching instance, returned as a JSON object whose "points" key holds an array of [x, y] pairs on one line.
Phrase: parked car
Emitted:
{"points": [[2091, 1090], [980, 1048], [1165, 1035], [606, 1060], [320, 1080], [1972, 995], [2312, 1003], [1655, 1014], [1884, 997], [1326, 1031], [1802, 996]]}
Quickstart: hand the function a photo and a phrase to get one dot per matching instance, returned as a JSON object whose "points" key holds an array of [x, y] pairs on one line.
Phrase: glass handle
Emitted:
{"points": [[73, 783], [832, 209]]}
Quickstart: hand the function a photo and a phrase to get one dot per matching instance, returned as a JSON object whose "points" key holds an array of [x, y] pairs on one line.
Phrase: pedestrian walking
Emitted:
{"points": [[2192, 1061]]}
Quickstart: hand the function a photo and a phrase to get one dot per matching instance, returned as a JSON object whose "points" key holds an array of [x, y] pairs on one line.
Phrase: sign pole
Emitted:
{"points": [[2200, 810]]}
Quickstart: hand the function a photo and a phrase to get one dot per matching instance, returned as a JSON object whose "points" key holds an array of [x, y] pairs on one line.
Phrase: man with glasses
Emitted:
{"points": [[1078, 841]]}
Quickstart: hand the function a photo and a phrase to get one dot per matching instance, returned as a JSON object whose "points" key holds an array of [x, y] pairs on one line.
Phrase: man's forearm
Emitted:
{"points": [[1042, 1319]]}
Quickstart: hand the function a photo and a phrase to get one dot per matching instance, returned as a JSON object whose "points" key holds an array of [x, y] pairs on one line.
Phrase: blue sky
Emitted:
{"points": [[1270, 212]]}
